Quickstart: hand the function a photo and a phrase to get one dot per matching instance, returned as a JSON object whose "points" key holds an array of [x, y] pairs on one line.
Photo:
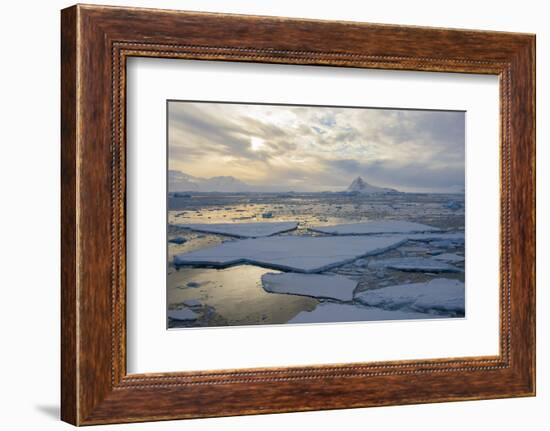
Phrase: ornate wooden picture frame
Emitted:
{"points": [[96, 41]]}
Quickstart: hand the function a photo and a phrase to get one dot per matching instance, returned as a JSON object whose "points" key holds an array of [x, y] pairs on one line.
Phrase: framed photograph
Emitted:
{"points": [[265, 215], [271, 222]]}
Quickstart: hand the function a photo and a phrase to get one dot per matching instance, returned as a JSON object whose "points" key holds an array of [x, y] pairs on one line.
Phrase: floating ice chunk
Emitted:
{"points": [[413, 249], [446, 243], [291, 253], [374, 227], [183, 314], [178, 240], [449, 257], [314, 285], [453, 205], [192, 303], [414, 264], [243, 230], [332, 312], [380, 274], [453, 237], [193, 284], [440, 295]]}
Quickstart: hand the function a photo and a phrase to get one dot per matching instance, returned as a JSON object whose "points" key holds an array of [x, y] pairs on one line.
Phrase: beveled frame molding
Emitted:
{"points": [[96, 41]]}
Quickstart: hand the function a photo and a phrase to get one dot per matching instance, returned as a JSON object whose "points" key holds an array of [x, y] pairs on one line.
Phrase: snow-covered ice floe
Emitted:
{"points": [[439, 295], [450, 237], [332, 312], [314, 285], [449, 257], [291, 253], [184, 314], [374, 227], [243, 230], [192, 303], [414, 264]]}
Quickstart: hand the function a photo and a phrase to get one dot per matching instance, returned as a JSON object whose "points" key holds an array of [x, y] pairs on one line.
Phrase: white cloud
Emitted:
{"points": [[323, 148]]}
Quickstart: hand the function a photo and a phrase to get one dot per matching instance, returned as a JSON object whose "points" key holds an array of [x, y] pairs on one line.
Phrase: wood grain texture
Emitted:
{"points": [[96, 41], [69, 397]]}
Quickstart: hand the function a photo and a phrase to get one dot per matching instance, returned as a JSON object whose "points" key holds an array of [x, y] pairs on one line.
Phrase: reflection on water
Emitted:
{"points": [[231, 296]]}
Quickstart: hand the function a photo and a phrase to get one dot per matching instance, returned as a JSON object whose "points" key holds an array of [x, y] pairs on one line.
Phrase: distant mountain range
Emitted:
{"points": [[181, 182], [359, 185]]}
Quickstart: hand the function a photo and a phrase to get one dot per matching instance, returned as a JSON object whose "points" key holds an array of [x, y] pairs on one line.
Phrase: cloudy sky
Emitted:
{"points": [[318, 148]]}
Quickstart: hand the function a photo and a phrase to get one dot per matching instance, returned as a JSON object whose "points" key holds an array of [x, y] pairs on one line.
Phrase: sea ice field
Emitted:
{"points": [[239, 259]]}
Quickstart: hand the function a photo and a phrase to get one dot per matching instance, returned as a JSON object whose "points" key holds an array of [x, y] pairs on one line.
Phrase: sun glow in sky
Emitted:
{"points": [[256, 143], [307, 148]]}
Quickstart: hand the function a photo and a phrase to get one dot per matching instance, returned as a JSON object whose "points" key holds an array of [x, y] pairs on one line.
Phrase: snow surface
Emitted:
{"points": [[414, 264], [243, 230], [183, 314], [440, 294], [291, 253], [374, 227], [314, 285], [333, 312]]}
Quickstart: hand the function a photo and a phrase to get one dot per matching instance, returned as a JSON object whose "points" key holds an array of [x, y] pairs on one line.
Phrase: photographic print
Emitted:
{"points": [[291, 214]]}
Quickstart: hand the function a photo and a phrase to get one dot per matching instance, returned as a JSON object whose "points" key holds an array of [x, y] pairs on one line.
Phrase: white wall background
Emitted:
{"points": [[29, 216]]}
